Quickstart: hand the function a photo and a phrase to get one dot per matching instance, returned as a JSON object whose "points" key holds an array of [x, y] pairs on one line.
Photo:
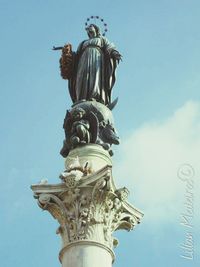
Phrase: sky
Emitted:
{"points": [[157, 118]]}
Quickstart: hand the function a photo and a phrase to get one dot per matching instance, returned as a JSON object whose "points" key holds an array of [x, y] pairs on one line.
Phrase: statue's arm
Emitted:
{"points": [[116, 55], [111, 50]]}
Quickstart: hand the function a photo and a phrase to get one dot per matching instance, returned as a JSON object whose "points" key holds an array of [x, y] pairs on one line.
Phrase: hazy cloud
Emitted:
{"points": [[152, 156]]}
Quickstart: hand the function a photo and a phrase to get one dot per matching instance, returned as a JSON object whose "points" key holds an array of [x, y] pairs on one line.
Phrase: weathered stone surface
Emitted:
{"points": [[86, 254], [93, 154], [88, 209]]}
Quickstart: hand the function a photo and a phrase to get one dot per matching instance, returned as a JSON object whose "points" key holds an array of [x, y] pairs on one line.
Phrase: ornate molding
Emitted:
{"points": [[86, 243]]}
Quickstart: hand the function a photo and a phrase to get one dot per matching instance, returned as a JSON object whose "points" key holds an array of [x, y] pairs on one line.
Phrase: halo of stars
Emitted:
{"points": [[87, 23]]}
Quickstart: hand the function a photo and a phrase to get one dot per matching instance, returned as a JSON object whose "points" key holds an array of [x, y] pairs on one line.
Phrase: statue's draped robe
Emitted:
{"points": [[94, 71]]}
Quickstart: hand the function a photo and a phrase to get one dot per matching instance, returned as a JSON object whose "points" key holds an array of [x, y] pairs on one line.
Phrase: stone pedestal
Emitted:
{"points": [[88, 208], [95, 155]]}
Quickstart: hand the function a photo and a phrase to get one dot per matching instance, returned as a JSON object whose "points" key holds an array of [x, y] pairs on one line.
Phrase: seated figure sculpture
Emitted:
{"points": [[80, 128]]}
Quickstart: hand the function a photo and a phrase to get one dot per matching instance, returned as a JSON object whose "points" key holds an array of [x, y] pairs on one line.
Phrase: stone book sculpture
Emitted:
{"points": [[87, 205]]}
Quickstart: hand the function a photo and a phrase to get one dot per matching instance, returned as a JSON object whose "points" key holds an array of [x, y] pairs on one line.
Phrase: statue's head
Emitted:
{"points": [[77, 113], [93, 31]]}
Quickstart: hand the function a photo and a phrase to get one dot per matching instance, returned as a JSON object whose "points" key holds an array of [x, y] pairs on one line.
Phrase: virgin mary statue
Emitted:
{"points": [[93, 68]]}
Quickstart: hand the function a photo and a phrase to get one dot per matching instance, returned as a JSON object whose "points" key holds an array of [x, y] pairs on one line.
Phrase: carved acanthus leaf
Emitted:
{"points": [[89, 209]]}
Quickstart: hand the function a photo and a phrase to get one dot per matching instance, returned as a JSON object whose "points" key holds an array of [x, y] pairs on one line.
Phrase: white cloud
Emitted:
{"points": [[151, 158]]}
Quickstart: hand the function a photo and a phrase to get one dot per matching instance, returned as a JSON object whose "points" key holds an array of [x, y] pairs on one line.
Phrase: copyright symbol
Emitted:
{"points": [[185, 172]]}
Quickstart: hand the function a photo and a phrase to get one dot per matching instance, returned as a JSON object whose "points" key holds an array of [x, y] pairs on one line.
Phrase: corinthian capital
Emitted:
{"points": [[88, 208]]}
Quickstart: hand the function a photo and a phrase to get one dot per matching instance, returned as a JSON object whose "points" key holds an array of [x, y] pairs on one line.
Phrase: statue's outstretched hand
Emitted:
{"points": [[116, 55]]}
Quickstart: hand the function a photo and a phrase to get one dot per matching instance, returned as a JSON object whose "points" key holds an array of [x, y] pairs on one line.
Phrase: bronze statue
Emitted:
{"points": [[90, 72], [91, 69]]}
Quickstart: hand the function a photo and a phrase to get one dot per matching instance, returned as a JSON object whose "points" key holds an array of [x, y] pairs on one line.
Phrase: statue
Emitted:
{"points": [[91, 69], [87, 205], [90, 72], [89, 122]]}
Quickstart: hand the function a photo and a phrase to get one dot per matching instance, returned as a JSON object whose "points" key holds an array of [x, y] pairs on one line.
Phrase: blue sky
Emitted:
{"points": [[157, 117]]}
